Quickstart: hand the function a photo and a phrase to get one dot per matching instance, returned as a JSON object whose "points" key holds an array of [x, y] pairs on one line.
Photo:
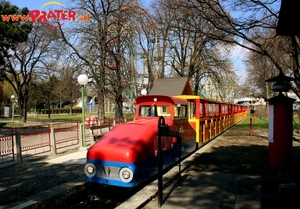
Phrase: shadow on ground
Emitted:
{"points": [[33, 176]]}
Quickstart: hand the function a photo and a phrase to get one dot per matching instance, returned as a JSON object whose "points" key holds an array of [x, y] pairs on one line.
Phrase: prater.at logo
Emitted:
{"points": [[51, 18]]}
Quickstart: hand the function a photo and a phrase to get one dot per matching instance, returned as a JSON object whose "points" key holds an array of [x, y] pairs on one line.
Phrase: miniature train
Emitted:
{"points": [[126, 156]]}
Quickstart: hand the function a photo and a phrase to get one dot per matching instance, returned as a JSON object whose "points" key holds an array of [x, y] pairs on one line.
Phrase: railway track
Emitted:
{"points": [[99, 196]]}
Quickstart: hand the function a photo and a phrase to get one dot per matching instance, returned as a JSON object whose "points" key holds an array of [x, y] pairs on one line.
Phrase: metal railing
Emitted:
{"points": [[6, 146], [28, 141]]}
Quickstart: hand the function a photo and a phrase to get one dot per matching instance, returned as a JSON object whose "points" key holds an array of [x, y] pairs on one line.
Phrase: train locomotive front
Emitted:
{"points": [[127, 155]]}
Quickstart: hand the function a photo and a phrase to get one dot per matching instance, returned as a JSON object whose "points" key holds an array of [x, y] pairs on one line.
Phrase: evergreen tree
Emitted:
{"points": [[11, 32]]}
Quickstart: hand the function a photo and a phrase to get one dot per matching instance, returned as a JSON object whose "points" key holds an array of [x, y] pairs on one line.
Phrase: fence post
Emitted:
{"points": [[18, 146], [179, 138], [250, 133], [161, 132], [92, 138], [53, 141]]}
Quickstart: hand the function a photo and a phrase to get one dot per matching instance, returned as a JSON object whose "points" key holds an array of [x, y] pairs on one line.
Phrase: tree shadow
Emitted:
{"points": [[252, 163], [20, 181]]}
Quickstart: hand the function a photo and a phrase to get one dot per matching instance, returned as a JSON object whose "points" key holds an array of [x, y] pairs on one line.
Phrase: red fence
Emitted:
{"points": [[33, 143], [66, 135], [34, 140], [6, 146]]}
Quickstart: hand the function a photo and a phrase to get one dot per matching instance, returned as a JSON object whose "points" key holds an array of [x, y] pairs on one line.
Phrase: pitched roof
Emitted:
{"points": [[172, 87]]}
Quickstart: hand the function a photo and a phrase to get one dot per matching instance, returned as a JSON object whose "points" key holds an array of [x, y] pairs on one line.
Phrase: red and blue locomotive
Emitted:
{"points": [[127, 155]]}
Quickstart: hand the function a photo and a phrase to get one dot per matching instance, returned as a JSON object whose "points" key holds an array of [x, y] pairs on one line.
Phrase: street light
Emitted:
{"points": [[83, 80], [178, 109], [12, 97], [144, 92]]}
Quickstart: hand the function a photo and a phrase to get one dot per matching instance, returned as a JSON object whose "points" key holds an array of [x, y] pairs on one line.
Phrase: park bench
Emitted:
{"points": [[96, 132]]}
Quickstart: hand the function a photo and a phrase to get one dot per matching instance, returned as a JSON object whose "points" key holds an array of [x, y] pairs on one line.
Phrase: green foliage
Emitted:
{"points": [[12, 32], [129, 116]]}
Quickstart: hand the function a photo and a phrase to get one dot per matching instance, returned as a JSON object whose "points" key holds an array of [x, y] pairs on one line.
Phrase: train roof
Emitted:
{"points": [[160, 99], [188, 97], [171, 86]]}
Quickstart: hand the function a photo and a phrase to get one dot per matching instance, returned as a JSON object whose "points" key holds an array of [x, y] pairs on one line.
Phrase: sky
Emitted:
{"points": [[36, 4], [238, 54], [30, 4]]}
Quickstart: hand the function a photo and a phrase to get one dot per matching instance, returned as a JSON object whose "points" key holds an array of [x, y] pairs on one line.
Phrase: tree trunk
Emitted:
{"points": [[119, 107], [101, 106]]}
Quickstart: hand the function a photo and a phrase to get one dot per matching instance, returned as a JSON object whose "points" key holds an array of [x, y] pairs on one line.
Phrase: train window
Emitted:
{"points": [[210, 109], [181, 111], [192, 109], [164, 111], [147, 110], [201, 110], [217, 110]]}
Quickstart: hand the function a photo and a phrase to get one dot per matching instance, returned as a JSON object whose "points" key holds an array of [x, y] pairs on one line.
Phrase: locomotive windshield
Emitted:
{"points": [[155, 111]]}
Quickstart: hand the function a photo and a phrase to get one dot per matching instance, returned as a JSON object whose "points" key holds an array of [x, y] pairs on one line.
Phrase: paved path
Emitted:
{"points": [[207, 190]]}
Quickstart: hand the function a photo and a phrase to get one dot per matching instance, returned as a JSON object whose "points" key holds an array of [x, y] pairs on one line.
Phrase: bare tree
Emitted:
{"points": [[102, 44], [250, 24], [258, 70], [23, 62], [189, 51]]}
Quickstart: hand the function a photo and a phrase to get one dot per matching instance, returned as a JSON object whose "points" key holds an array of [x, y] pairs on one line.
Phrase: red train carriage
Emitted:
{"points": [[126, 156]]}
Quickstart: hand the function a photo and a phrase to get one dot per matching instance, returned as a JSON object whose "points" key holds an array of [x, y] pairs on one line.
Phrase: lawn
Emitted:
{"points": [[257, 123], [43, 118], [263, 123], [53, 118]]}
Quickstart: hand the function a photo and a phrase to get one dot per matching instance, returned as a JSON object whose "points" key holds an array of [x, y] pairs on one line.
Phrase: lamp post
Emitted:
{"points": [[144, 92], [12, 97], [178, 109], [83, 80], [280, 123]]}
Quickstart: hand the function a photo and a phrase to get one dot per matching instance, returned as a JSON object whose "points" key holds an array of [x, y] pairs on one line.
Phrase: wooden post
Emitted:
{"points": [[52, 140], [250, 134], [18, 145]]}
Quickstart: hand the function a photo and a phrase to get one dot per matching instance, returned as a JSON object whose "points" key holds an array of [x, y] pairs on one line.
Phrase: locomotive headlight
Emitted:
{"points": [[90, 170], [126, 175]]}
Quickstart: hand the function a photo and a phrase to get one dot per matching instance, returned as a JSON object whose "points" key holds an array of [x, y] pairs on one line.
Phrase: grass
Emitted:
{"points": [[263, 123], [43, 118], [54, 118], [257, 123]]}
